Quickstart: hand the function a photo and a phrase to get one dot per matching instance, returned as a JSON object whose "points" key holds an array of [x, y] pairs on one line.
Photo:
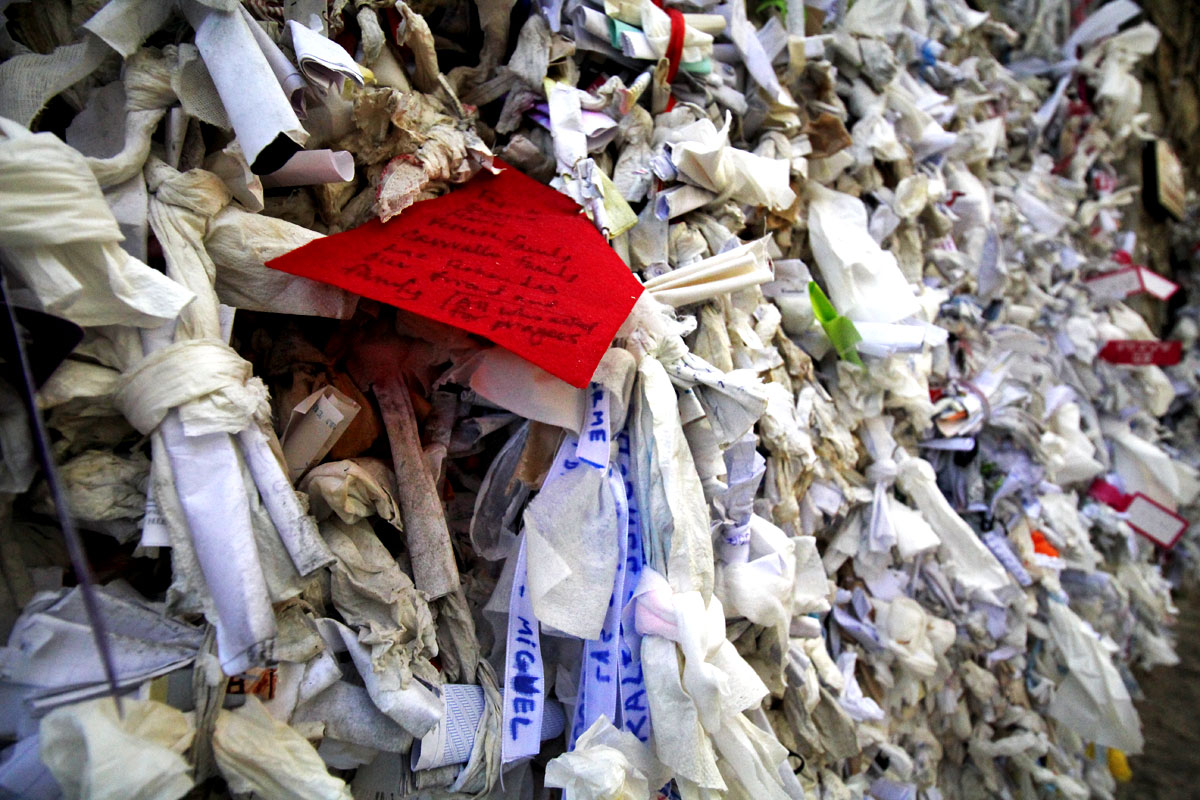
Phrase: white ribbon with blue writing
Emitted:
{"points": [[611, 682], [524, 673], [634, 711], [593, 445], [598, 677], [599, 670]]}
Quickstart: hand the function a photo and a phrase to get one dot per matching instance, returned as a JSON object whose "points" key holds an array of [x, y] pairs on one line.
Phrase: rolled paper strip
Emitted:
{"points": [[262, 115], [743, 266], [289, 77], [841, 331], [616, 28], [998, 544], [324, 63], [309, 167], [632, 42], [680, 199]]}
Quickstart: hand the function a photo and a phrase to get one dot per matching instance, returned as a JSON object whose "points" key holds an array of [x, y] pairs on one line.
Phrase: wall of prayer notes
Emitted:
{"points": [[687, 399]]}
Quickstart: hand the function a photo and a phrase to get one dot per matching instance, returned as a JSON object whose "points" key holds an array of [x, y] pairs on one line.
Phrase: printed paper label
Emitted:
{"points": [[154, 524], [1157, 285], [1118, 285]]}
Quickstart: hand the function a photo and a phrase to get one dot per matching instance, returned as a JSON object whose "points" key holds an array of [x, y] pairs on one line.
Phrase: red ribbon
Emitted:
{"points": [[675, 43], [1106, 493], [674, 46]]}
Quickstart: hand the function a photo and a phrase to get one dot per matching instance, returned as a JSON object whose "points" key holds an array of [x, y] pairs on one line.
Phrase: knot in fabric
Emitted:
{"points": [[212, 386], [882, 472], [669, 349], [148, 80], [699, 631], [196, 190]]}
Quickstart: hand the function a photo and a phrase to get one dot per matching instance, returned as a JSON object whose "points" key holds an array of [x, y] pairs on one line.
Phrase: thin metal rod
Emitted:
{"points": [[41, 440]]}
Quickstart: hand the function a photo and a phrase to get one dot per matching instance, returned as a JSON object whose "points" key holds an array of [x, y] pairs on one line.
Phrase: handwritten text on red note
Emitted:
{"points": [[503, 256]]}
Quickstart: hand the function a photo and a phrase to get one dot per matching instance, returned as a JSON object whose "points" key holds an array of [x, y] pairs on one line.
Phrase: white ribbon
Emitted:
{"points": [[524, 673], [705, 708], [599, 678], [634, 709], [881, 534], [594, 439]]}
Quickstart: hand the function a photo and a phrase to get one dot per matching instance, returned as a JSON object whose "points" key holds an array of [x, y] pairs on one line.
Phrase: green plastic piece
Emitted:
{"points": [[616, 28], [841, 331], [778, 5]]}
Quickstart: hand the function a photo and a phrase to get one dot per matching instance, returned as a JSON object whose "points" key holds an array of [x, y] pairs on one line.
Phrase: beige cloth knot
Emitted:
{"points": [[212, 386]]}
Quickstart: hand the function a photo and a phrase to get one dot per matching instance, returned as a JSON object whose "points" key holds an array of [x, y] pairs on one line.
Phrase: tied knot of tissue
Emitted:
{"points": [[882, 473], [734, 505], [698, 630], [196, 190], [668, 349], [212, 386], [148, 80]]}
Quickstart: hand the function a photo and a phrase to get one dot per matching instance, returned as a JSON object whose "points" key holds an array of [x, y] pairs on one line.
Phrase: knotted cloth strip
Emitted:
{"points": [[212, 386], [704, 736]]}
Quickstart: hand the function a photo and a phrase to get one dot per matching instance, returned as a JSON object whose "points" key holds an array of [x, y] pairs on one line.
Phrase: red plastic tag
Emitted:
{"points": [[1106, 493], [1141, 353], [1155, 521], [1131, 280], [1147, 517]]}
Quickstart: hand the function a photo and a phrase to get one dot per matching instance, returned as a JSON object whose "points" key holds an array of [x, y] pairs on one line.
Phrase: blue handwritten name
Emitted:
{"points": [[524, 692]]}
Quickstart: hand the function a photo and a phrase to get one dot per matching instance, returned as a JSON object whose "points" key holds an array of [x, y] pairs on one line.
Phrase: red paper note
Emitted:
{"points": [[503, 256], [1162, 354]]}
